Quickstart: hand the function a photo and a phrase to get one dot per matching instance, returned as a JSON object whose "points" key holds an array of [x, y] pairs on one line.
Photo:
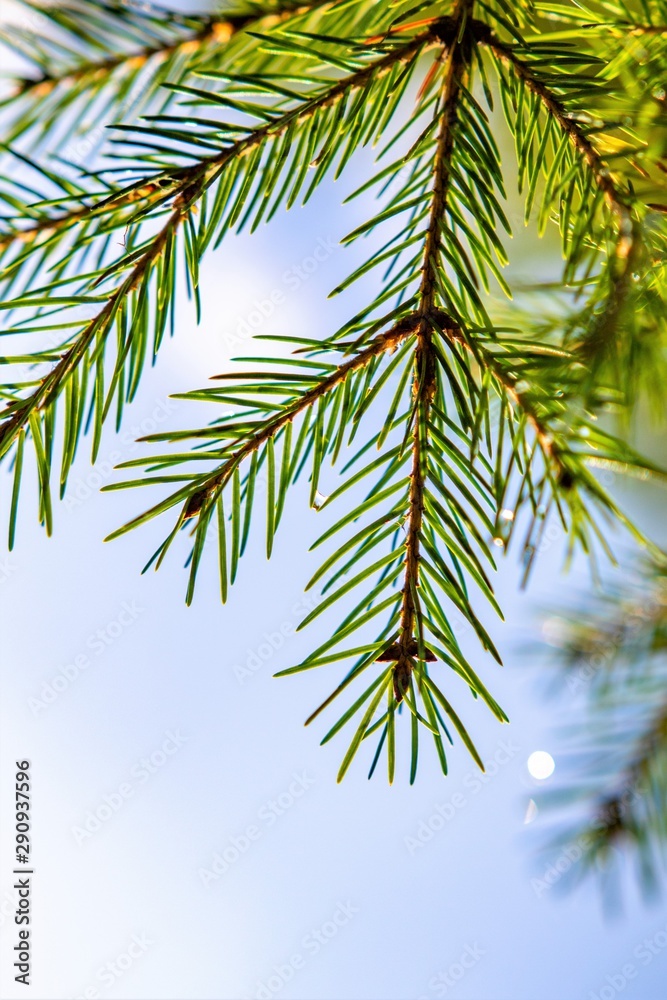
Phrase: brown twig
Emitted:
{"points": [[19, 413], [628, 242], [424, 380], [212, 29], [207, 169]]}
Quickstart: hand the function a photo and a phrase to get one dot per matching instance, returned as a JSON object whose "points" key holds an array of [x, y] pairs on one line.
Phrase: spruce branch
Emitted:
{"points": [[614, 197], [186, 186], [215, 29], [99, 46], [472, 423], [423, 389], [612, 818], [18, 413], [639, 29], [628, 240], [209, 487], [614, 657]]}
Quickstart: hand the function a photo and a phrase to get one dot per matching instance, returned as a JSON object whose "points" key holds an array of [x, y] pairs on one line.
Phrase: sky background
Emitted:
{"points": [[329, 896]]}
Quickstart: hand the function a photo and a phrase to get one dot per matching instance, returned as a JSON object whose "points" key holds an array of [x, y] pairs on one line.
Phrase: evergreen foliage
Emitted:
{"points": [[457, 426], [613, 796]]}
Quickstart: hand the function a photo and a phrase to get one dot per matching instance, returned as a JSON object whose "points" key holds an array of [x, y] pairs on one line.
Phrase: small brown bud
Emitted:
{"points": [[195, 503]]}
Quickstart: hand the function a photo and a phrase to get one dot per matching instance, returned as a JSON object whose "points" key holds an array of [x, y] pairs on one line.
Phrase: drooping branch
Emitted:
{"points": [[613, 814], [188, 186], [424, 380], [440, 462], [614, 197], [627, 712], [628, 242], [216, 30], [18, 413]]}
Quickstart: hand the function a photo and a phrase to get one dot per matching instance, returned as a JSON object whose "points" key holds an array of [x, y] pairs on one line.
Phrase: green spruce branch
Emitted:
{"points": [[487, 429]]}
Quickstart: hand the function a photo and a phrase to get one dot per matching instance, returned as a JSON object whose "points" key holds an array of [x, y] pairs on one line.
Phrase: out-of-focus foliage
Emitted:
{"points": [[613, 797]]}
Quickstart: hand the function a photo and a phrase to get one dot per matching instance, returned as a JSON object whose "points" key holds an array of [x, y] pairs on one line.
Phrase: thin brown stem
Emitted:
{"points": [[49, 224], [424, 380], [641, 29], [190, 180], [628, 241], [212, 29], [46, 224], [19, 413]]}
